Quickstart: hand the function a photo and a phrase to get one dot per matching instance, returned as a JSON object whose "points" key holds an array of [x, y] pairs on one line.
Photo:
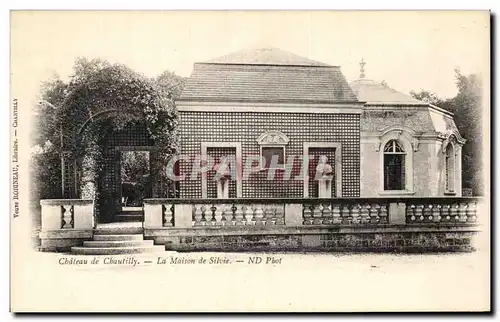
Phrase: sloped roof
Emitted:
{"points": [[267, 75], [372, 92], [387, 107], [265, 56]]}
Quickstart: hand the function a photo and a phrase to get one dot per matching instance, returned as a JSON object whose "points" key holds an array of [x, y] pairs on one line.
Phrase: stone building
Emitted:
{"points": [[380, 142], [389, 169]]}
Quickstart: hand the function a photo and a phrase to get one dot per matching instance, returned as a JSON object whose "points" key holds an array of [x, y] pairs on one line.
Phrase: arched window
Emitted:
{"points": [[394, 166], [450, 168]]}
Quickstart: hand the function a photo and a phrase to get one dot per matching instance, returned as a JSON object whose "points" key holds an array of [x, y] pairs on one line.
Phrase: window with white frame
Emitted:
{"points": [[272, 149], [394, 166], [450, 168], [273, 157]]}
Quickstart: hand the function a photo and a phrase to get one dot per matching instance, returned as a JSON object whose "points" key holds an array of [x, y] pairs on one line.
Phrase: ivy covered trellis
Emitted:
{"points": [[102, 98]]}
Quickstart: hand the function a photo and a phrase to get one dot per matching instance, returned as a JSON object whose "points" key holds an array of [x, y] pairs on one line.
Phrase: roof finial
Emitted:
{"points": [[362, 69]]}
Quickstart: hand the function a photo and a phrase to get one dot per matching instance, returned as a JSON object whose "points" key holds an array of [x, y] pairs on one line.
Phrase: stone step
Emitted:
{"points": [[116, 250], [119, 231], [117, 243], [129, 217], [118, 237]]}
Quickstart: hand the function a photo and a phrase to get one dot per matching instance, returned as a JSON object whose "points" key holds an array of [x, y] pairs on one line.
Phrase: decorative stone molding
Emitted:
{"points": [[452, 137], [410, 142], [273, 137], [398, 133]]}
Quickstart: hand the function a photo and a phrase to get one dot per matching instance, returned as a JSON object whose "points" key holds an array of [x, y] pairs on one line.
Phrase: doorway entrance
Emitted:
{"points": [[135, 183]]}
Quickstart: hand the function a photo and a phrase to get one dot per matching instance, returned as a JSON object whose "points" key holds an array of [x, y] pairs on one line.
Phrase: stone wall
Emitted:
{"points": [[428, 170], [197, 127], [404, 240], [358, 224]]}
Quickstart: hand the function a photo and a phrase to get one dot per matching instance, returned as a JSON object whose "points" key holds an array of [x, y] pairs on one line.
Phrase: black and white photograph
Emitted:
{"points": [[250, 161]]}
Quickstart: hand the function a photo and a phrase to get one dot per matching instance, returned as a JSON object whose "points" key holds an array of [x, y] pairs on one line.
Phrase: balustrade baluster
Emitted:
{"points": [[427, 213], [410, 213], [336, 218], [227, 215], [356, 215], [168, 215], [327, 214], [317, 214], [197, 215], [279, 213], [207, 215], [218, 214], [454, 213], [307, 214], [67, 217], [374, 214], [445, 213], [365, 214], [259, 215], [419, 217], [472, 211], [436, 213], [462, 212], [346, 215], [269, 216], [238, 215], [249, 211], [383, 216]]}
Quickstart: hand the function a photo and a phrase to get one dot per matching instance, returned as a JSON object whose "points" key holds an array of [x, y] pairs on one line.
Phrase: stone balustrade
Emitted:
{"points": [[337, 213], [66, 223], [235, 214], [66, 214], [441, 211], [200, 213]]}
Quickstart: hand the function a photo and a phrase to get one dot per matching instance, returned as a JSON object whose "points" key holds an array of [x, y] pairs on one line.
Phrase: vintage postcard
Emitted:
{"points": [[260, 161]]}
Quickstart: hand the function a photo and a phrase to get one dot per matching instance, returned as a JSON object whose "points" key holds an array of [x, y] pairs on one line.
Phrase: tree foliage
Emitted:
{"points": [[467, 109], [427, 97], [73, 108]]}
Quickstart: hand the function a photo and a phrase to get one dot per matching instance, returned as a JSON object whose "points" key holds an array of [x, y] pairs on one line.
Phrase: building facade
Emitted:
{"points": [[279, 152], [378, 141]]}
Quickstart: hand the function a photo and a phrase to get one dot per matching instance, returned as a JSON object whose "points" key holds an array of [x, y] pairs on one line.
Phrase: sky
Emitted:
{"points": [[408, 50]]}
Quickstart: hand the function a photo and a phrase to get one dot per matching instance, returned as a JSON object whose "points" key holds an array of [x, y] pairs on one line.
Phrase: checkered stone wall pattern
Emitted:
{"points": [[245, 127], [130, 135], [314, 155]]}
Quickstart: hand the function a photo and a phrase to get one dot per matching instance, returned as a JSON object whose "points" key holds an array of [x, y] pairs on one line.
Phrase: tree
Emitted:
{"points": [[171, 82], [95, 85], [427, 97], [45, 134], [467, 109], [466, 106]]}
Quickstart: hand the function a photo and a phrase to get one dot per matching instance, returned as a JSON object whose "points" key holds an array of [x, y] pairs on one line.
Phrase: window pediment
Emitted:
{"points": [[273, 137], [399, 134]]}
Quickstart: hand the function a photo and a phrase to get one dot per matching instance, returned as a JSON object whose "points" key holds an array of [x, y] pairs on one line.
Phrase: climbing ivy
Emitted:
{"points": [[101, 97]]}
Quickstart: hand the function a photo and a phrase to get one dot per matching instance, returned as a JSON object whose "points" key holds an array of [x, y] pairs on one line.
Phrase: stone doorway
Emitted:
{"points": [[135, 183]]}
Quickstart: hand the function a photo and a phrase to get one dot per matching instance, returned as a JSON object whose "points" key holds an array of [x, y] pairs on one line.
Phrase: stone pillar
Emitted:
{"points": [[293, 214], [397, 213], [458, 170], [51, 216], [223, 188], [325, 188], [183, 216], [84, 215], [153, 215]]}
